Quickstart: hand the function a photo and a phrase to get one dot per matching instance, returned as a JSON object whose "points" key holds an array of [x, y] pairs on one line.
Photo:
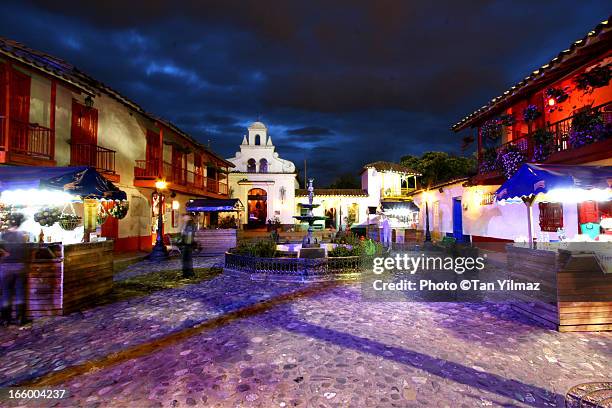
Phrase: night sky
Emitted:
{"points": [[339, 83]]}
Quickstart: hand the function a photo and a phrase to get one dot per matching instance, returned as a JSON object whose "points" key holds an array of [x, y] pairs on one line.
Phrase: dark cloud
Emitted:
{"points": [[311, 131], [388, 77]]}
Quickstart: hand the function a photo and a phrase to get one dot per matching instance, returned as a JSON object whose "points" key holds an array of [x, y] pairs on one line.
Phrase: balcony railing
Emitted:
{"points": [[559, 141], [386, 192], [177, 175], [27, 139], [85, 154]]}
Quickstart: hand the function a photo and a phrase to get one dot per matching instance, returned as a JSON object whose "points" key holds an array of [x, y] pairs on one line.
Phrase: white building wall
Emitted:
{"points": [[280, 176], [340, 203], [495, 221], [277, 206], [40, 100]]}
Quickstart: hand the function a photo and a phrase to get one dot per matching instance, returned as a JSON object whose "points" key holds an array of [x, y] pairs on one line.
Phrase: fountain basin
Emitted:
{"points": [[295, 269]]}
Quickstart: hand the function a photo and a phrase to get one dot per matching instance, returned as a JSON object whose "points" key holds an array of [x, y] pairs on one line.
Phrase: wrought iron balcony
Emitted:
{"points": [[559, 140], [178, 176], [86, 154], [27, 139]]}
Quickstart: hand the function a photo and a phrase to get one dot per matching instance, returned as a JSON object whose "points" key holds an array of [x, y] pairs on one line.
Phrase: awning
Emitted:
{"points": [[533, 179], [79, 181], [557, 183], [214, 205], [399, 206]]}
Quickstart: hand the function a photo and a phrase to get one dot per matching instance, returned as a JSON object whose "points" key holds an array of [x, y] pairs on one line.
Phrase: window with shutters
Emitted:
{"points": [[551, 216], [588, 211]]}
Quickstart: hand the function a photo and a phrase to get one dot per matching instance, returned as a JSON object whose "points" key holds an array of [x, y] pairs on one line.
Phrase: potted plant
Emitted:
{"points": [[596, 77], [543, 144], [489, 158], [119, 209], [588, 127], [510, 159]]}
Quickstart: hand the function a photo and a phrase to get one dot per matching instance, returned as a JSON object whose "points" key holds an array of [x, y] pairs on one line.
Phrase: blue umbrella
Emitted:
{"points": [[80, 181], [531, 180]]}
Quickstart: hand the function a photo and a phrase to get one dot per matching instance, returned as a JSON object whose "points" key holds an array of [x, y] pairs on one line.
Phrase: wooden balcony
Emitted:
{"points": [[559, 150], [396, 193], [26, 143], [178, 178], [92, 155]]}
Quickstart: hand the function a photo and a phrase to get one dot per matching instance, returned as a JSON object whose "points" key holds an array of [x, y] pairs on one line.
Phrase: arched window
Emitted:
{"points": [[263, 166], [404, 183], [257, 139], [251, 166]]}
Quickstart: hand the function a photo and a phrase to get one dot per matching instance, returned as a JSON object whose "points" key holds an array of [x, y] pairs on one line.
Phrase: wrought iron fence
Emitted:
{"points": [[302, 269]]}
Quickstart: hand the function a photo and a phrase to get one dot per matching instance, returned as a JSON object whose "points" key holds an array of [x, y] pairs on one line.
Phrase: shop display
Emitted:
{"points": [[69, 222], [47, 216], [119, 209]]}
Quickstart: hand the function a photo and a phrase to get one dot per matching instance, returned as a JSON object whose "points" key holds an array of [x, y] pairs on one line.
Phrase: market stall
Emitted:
{"points": [[217, 221], [68, 264], [403, 217], [573, 268]]}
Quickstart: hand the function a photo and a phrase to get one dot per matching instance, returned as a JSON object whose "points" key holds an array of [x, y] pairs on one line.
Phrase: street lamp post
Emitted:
{"points": [[159, 252], [427, 232]]}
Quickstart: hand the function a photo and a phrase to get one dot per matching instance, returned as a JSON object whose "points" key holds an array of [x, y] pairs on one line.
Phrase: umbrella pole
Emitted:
{"points": [[528, 202]]}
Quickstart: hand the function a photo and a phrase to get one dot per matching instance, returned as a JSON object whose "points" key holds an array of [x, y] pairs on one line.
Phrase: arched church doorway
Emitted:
{"points": [[258, 207]]}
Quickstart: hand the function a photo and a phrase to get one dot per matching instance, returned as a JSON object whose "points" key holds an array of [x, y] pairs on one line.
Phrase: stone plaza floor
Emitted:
{"points": [[229, 342]]}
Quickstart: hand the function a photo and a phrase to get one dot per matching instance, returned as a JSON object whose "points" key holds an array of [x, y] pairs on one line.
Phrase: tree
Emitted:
{"points": [[345, 180], [438, 167]]}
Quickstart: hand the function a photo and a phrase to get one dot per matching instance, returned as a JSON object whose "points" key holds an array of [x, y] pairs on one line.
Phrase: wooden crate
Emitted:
{"points": [[582, 292], [88, 274]]}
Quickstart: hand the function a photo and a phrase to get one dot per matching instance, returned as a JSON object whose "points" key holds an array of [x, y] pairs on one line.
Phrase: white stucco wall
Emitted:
{"points": [[119, 129], [241, 183], [280, 175], [340, 203], [496, 221]]}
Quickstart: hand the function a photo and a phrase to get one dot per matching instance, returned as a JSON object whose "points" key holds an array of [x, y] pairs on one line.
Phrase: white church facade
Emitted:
{"points": [[267, 185], [263, 182]]}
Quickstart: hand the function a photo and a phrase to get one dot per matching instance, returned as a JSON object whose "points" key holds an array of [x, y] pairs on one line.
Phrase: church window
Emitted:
{"points": [[263, 166], [251, 166]]}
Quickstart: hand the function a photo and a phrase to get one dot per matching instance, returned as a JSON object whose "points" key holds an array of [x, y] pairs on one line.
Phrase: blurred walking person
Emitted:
{"points": [[13, 277], [188, 242]]}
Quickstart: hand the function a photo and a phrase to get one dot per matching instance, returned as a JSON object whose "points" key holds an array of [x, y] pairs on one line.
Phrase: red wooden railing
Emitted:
{"points": [[85, 154], [153, 169], [2, 145], [28, 139], [560, 135]]}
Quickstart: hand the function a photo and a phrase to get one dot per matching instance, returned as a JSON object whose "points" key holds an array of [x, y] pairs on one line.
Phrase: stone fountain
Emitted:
{"points": [[310, 246]]}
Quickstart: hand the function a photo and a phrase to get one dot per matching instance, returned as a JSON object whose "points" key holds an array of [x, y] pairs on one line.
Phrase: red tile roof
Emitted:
{"points": [[70, 74], [597, 41]]}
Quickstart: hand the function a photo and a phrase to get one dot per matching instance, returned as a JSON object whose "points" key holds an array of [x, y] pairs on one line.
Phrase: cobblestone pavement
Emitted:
{"points": [[327, 349], [145, 267]]}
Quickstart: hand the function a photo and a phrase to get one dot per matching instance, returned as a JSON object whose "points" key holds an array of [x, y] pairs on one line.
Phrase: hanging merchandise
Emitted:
{"points": [[69, 221], [119, 209], [9, 215], [48, 216], [102, 214]]}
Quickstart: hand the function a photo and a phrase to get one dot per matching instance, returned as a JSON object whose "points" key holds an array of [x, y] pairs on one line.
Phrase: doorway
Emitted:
{"points": [[330, 221], [257, 207], [457, 220]]}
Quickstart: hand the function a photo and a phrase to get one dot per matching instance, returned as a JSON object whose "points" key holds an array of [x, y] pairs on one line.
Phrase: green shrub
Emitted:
{"points": [[339, 251], [265, 248], [360, 248]]}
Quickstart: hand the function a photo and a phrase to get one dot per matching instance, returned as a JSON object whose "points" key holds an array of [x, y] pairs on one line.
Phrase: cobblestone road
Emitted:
{"points": [[324, 349]]}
